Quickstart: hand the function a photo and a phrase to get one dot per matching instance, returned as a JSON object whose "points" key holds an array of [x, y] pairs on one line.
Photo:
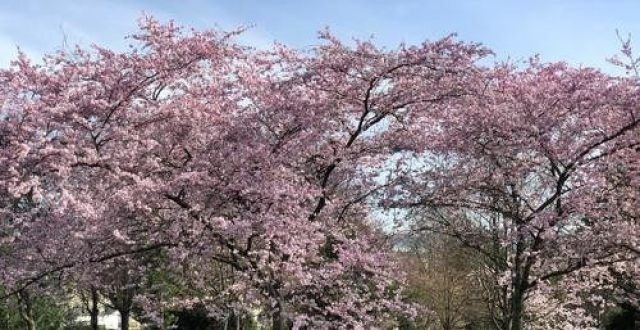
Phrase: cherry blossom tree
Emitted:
{"points": [[520, 172], [201, 152]]}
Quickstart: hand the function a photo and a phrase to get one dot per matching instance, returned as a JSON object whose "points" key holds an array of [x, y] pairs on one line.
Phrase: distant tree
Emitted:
{"points": [[443, 276]]}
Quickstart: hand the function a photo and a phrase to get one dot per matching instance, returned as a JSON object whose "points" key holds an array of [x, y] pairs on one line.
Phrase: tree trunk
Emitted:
{"points": [[517, 303], [31, 324], [94, 312], [26, 310], [275, 322], [280, 320], [522, 266], [124, 319], [233, 321]]}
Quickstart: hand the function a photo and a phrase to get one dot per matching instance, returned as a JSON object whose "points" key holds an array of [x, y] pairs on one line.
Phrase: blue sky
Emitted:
{"points": [[580, 32]]}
